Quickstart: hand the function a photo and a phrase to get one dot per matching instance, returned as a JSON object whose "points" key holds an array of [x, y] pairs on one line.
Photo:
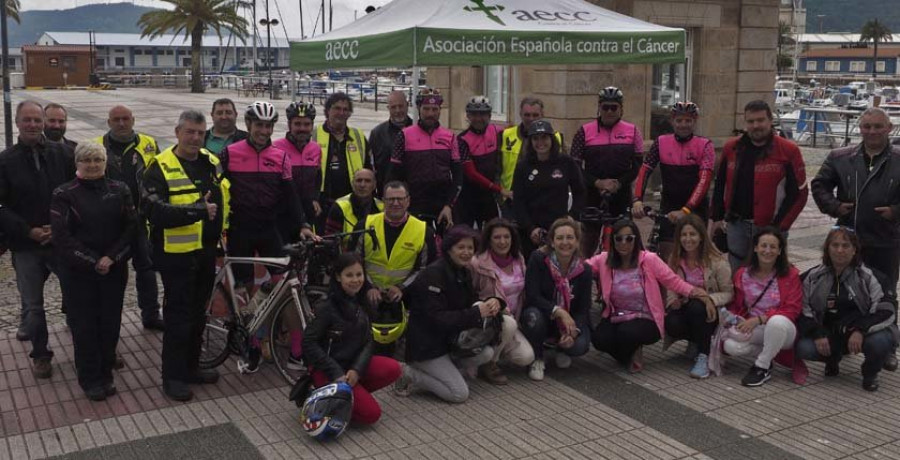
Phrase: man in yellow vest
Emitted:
{"points": [[186, 200], [531, 109], [348, 210], [128, 153], [344, 151]]}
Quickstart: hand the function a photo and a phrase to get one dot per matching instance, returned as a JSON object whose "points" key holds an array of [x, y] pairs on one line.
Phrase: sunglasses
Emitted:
{"points": [[841, 227], [609, 107], [624, 238]]}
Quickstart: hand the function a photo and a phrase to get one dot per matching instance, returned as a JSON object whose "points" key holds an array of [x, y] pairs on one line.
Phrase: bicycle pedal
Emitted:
{"points": [[245, 367]]}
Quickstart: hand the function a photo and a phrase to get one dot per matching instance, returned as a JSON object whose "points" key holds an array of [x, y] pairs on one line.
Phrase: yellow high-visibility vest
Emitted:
{"points": [[387, 271], [146, 146], [350, 219], [354, 150]]}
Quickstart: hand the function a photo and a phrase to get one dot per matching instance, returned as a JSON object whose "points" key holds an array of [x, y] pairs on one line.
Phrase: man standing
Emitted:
{"points": [[127, 155], [351, 209], [186, 199], [761, 181], [479, 149], [344, 151], [224, 130], [610, 151], [306, 160], [381, 139], [29, 172], [55, 118], [426, 156]]}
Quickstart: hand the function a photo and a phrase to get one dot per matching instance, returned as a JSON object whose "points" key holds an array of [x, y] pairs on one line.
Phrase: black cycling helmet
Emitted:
{"points": [[611, 94], [478, 104], [685, 108], [261, 111], [540, 127], [301, 109], [429, 96]]}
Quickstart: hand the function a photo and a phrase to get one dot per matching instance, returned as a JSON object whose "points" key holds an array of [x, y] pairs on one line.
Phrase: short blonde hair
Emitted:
{"points": [[89, 149]]}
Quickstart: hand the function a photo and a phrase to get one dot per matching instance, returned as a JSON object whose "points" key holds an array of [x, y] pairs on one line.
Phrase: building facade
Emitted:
{"points": [[842, 57], [730, 60]]}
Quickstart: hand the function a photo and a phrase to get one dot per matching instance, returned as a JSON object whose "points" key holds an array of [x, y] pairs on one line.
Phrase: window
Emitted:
{"points": [[880, 66], [170, 52], [811, 66], [101, 62], [119, 50], [496, 88], [139, 52], [120, 62], [671, 83], [857, 66], [832, 66]]}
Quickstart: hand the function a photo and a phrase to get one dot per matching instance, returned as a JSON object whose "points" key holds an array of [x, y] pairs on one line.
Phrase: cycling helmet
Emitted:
{"points": [[326, 412], [301, 109], [611, 94], [390, 322], [429, 96], [478, 104], [261, 111], [685, 108], [540, 127]]}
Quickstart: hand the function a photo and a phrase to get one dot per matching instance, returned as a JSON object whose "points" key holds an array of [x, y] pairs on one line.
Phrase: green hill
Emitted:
{"points": [[850, 15], [114, 18]]}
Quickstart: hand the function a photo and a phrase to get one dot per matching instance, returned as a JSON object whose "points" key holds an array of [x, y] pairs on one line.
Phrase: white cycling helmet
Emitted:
{"points": [[478, 104], [261, 111]]}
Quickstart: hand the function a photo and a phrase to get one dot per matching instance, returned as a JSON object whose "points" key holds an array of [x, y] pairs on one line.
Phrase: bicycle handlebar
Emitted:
{"points": [[301, 247]]}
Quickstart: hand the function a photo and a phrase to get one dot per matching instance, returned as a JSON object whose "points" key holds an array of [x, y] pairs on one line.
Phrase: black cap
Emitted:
{"points": [[540, 127]]}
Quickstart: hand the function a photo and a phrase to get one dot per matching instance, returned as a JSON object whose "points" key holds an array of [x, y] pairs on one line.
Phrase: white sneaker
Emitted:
{"points": [[563, 361], [536, 371]]}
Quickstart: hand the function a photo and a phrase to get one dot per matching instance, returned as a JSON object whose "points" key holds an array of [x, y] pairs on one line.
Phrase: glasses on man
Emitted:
{"points": [[609, 107], [92, 160], [399, 199], [624, 238]]}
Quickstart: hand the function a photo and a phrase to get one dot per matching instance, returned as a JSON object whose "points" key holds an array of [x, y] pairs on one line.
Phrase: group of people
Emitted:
{"points": [[424, 274]]}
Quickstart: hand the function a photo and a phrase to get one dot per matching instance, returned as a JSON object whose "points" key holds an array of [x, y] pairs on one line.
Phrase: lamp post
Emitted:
{"points": [[7, 97], [268, 22]]}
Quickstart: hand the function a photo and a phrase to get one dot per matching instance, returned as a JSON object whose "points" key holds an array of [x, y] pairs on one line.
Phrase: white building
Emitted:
{"points": [[170, 53]]}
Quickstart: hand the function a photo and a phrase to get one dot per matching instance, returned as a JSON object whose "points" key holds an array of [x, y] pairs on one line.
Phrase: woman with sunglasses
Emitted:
{"points": [[499, 271], [697, 261], [846, 310], [542, 182], [768, 298], [629, 281], [557, 298]]}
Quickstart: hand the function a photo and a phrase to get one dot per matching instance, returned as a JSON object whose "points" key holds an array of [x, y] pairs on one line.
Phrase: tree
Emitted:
{"points": [[784, 60], [12, 10], [875, 32], [193, 18]]}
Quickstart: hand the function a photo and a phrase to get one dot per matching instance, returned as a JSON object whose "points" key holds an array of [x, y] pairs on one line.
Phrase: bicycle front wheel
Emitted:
{"points": [[287, 331], [221, 328]]}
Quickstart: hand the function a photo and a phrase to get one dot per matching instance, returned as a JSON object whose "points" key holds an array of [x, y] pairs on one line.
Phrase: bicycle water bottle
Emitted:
{"points": [[728, 318]]}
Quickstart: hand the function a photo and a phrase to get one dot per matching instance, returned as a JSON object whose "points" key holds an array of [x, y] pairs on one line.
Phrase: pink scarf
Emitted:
{"points": [[501, 261], [563, 287]]}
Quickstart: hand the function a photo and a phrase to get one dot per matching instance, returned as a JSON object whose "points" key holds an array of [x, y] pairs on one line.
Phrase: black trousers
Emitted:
{"points": [[884, 259], [621, 340], [94, 317], [689, 323], [187, 289], [249, 240], [476, 206], [145, 276]]}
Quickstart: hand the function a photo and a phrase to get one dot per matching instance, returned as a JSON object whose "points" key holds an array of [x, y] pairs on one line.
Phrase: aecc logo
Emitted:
{"points": [[342, 50]]}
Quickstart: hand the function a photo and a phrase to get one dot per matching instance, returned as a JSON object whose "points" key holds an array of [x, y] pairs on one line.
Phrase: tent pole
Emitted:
{"points": [[514, 103], [414, 90]]}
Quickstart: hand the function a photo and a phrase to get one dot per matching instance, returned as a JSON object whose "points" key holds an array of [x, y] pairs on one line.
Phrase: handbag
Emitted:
{"points": [[731, 332]]}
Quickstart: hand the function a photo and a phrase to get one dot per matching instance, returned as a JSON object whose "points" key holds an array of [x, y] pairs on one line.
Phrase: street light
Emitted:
{"points": [[268, 23]]}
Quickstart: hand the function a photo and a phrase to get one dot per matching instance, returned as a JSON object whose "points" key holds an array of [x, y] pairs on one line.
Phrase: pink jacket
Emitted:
{"points": [[487, 282], [654, 272]]}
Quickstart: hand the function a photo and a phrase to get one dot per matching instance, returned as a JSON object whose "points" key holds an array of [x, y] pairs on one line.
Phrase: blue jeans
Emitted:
{"points": [[537, 327], [32, 270], [876, 348]]}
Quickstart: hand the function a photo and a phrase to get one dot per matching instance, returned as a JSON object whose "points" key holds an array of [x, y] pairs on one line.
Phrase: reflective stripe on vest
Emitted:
{"points": [[182, 191], [146, 147], [384, 271], [350, 219], [355, 150], [510, 147]]}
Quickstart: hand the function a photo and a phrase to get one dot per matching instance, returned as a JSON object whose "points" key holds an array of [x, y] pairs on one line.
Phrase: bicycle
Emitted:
{"points": [[601, 217], [658, 219], [285, 309]]}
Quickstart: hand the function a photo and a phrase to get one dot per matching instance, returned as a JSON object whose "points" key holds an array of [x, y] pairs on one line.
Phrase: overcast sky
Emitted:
{"points": [[290, 9]]}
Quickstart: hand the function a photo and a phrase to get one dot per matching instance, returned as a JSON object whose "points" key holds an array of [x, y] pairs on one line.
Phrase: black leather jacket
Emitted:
{"points": [[340, 337]]}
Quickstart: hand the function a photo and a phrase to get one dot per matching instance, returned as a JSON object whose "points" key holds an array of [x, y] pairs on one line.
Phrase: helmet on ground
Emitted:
{"points": [[685, 108], [429, 96], [389, 322], [540, 127], [478, 104], [326, 412], [301, 109], [261, 111], [611, 94]]}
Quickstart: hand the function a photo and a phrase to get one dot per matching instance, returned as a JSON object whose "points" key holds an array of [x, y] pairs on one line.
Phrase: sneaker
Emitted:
{"points": [[701, 367], [536, 370], [295, 364], [870, 383], [22, 334], [832, 369], [890, 364], [492, 374], [692, 351], [756, 376], [563, 361], [252, 364], [42, 368], [403, 385], [110, 389]]}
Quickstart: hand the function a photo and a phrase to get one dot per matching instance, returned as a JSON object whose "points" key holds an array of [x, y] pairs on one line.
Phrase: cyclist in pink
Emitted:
{"points": [[306, 161], [479, 149]]}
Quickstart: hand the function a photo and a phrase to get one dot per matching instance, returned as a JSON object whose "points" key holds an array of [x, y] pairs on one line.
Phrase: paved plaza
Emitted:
{"points": [[593, 410]]}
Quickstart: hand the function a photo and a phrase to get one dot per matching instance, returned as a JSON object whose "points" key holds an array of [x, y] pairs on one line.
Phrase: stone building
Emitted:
{"points": [[731, 49]]}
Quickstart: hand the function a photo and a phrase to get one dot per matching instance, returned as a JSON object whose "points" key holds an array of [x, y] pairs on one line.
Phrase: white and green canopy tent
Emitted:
{"points": [[413, 33]]}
